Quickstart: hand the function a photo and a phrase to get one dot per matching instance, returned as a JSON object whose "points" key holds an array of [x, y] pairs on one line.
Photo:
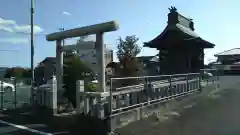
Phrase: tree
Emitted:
{"points": [[27, 73], [74, 69], [127, 51], [17, 72], [128, 47]]}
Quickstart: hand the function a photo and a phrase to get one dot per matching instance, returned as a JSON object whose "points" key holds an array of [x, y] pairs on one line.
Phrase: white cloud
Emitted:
{"points": [[14, 40], [6, 22], [67, 13], [12, 26], [27, 29], [6, 29]]}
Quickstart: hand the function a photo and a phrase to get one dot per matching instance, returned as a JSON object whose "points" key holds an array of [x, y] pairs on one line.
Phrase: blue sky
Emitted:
{"points": [[215, 21]]}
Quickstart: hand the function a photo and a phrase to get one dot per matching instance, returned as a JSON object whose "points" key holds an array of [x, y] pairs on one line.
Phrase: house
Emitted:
{"points": [[112, 69], [229, 56], [45, 70], [150, 65], [86, 53], [3, 71], [228, 61]]}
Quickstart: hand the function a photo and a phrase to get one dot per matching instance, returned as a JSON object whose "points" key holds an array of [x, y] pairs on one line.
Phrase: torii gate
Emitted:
{"points": [[97, 29]]}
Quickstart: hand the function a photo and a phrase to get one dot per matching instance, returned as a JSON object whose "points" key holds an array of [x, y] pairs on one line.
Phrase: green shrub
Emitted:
{"points": [[74, 69], [91, 87]]}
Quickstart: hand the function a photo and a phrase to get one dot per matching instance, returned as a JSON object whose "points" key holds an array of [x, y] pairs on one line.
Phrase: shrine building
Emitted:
{"points": [[181, 50]]}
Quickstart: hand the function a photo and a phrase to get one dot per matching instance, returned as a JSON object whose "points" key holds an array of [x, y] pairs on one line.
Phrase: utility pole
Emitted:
{"points": [[62, 29], [32, 51]]}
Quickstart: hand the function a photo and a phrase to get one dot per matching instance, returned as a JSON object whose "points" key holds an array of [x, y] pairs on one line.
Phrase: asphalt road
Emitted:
{"points": [[6, 129], [218, 115], [14, 131]]}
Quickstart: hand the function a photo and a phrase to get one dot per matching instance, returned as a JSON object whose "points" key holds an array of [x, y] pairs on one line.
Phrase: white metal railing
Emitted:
{"points": [[154, 88], [132, 95], [147, 90]]}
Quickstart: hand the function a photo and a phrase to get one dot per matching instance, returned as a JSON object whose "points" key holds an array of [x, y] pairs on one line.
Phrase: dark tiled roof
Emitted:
{"points": [[181, 27], [145, 58], [112, 65], [49, 59]]}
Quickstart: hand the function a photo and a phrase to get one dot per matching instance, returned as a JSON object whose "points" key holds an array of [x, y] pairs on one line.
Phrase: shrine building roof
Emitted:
{"points": [[178, 29]]}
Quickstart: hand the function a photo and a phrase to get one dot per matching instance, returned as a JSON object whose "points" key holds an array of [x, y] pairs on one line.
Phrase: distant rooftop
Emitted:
{"points": [[148, 58], [49, 59], [234, 51]]}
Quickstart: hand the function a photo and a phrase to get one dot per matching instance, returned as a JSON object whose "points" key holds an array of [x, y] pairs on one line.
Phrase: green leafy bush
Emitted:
{"points": [[91, 87], [74, 69]]}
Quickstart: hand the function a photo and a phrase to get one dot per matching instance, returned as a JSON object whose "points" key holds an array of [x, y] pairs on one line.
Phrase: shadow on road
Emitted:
{"points": [[41, 119]]}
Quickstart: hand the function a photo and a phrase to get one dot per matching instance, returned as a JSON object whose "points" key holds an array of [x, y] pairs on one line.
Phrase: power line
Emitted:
{"points": [[28, 34], [23, 33]]}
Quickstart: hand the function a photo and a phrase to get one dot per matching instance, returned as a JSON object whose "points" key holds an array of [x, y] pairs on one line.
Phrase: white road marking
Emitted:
{"points": [[25, 128]]}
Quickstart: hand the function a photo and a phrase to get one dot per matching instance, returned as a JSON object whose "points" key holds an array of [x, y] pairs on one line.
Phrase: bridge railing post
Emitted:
{"points": [[170, 86], [54, 94], [2, 91], [79, 96], [110, 101], [199, 82]]}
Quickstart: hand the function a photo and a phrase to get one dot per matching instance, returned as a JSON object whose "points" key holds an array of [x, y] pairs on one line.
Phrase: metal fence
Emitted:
{"points": [[132, 96], [14, 92], [150, 89], [210, 76]]}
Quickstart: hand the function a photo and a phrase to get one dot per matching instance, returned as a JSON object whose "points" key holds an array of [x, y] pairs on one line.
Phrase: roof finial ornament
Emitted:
{"points": [[190, 18], [172, 9]]}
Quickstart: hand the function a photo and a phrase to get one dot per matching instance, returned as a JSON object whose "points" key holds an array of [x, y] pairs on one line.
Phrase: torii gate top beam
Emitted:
{"points": [[82, 31]]}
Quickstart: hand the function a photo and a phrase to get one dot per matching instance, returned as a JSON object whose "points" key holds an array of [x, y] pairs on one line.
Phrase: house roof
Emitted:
{"points": [[113, 65], [234, 51], [147, 58], [49, 59]]}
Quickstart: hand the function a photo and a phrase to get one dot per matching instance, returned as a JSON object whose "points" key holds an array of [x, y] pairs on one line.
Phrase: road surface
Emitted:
{"points": [[213, 116], [13, 129]]}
